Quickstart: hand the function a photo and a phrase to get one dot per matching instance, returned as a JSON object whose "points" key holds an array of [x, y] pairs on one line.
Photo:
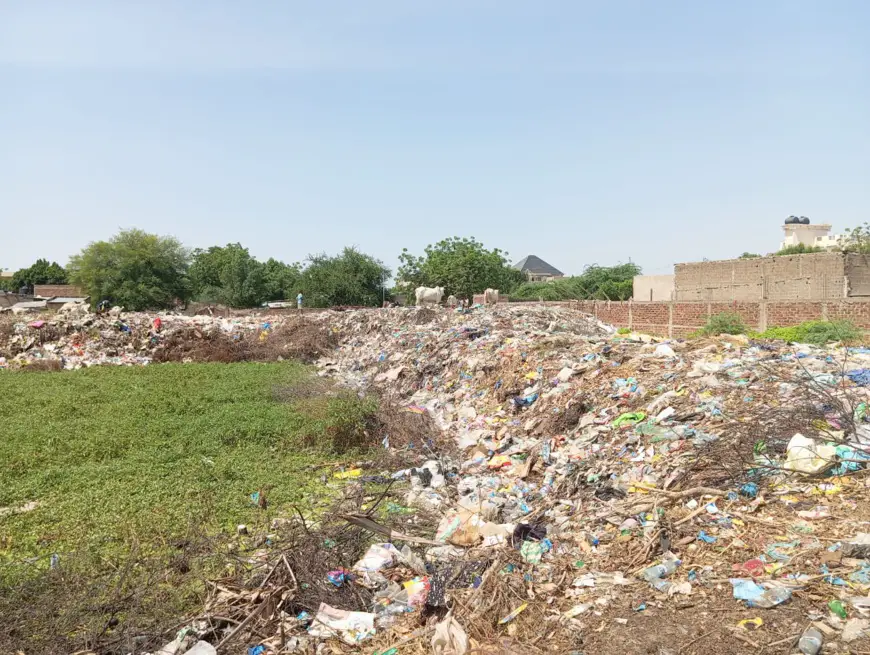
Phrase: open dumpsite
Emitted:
{"points": [[533, 481]]}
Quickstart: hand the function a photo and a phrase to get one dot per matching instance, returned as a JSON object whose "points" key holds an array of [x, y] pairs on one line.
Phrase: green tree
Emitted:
{"points": [[242, 281], [799, 249], [205, 271], [857, 239], [749, 255], [228, 275], [40, 272], [463, 266], [6, 283], [351, 278], [596, 283], [133, 269], [281, 279]]}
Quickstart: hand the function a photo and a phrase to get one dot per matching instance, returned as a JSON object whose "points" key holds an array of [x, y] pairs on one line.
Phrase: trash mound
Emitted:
{"points": [[605, 493], [602, 493], [292, 339], [80, 339]]}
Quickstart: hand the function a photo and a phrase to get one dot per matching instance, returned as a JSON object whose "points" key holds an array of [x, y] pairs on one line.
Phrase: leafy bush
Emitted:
{"points": [[799, 249], [724, 323], [815, 332], [350, 422], [596, 283], [463, 266], [623, 330], [339, 423]]}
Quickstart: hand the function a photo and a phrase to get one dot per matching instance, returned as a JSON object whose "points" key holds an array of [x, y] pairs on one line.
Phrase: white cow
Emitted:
{"points": [[429, 295], [490, 297]]}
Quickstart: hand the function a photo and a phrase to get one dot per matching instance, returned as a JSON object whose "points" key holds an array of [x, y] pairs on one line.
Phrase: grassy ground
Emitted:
{"points": [[130, 462], [107, 451]]}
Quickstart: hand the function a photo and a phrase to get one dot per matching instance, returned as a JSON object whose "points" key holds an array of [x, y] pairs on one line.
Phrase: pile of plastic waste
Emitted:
{"points": [[605, 492], [668, 474], [80, 338]]}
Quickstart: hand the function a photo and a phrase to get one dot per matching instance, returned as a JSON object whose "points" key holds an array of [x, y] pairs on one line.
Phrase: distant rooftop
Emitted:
{"points": [[534, 265], [58, 299]]}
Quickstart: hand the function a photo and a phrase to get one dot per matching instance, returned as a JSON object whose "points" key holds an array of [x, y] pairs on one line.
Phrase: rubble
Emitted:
{"points": [[601, 485]]}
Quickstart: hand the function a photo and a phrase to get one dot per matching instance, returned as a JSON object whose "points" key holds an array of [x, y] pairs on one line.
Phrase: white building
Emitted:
{"points": [[800, 230]]}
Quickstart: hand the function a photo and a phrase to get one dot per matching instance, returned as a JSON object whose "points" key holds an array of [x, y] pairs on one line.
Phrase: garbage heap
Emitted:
{"points": [[617, 492], [79, 338], [601, 492]]}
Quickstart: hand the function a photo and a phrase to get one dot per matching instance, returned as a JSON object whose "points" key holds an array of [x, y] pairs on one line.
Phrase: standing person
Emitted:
{"points": [[299, 300]]}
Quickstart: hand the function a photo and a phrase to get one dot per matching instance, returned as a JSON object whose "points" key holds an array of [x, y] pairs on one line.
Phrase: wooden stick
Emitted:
{"points": [[269, 575], [290, 570], [697, 639], [694, 491], [241, 625]]}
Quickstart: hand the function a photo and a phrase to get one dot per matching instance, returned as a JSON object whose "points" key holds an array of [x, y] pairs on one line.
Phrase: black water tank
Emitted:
{"points": [[791, 220], [804, 220]]}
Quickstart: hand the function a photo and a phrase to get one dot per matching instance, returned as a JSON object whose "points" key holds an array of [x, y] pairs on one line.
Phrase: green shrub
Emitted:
{"points": [[595, 283], [799, 249], [341, 423], [724, 323], [623, 330], [815, 332], [351, 422]]}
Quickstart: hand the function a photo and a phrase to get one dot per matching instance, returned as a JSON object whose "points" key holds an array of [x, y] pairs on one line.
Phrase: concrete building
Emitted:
{"points": [[653, 287], [799, 230], [537, 270]]}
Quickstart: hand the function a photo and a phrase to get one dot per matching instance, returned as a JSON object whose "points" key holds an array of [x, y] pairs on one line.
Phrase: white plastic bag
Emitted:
{"points": [[808, 456], [449, 638], [351, 627]]}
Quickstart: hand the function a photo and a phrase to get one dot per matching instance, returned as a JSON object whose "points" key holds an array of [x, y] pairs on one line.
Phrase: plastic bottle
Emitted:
{"points": [[810, 642], [771, 597], [660, 571], [837, 608], [655, 574]]}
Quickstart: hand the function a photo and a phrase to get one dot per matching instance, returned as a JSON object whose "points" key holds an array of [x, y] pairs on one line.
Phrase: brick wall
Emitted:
{"points": [[652, 318], [858, 274], [792, 313], [678, 319], [857, 311], [795, 277], [57, 290]]}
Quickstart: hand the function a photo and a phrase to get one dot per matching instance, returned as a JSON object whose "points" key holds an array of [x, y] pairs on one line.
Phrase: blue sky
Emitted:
{"points": [[582, 132]]}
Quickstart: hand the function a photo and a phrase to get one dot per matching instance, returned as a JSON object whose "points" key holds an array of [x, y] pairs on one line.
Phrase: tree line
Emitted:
{"points": [[139, 270]]}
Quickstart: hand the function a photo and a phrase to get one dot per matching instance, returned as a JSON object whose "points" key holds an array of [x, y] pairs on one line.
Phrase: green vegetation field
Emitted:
{"points": [[116, 453], [141, 476]]}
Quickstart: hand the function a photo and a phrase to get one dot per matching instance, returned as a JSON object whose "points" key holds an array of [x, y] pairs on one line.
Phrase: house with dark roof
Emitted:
{"points": [[537, 270]]}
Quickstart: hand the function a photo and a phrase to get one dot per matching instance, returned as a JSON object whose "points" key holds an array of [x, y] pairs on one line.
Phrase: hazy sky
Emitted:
{"points": [[583, 132]]}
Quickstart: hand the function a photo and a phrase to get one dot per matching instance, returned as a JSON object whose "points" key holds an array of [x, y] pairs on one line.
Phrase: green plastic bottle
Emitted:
{"points": [[837, 608]]}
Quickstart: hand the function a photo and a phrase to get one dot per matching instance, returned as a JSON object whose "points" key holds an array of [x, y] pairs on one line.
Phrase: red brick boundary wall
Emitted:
{"points": [[58, 290], [677, 319]]}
